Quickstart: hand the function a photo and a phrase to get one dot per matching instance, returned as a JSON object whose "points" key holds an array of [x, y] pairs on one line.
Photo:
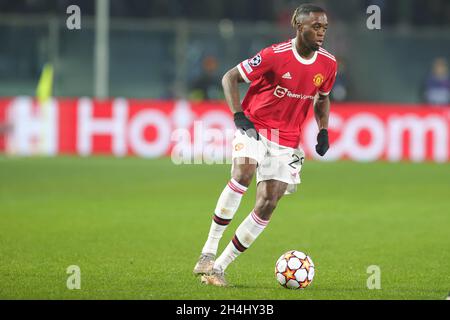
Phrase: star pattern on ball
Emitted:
{"points": [[289, 274], [288, 255], [305, 264], [305, 283]]}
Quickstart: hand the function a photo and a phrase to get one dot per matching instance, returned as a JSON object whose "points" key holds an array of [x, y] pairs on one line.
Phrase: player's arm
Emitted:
{"points": [[322, 114], [230, 84]]}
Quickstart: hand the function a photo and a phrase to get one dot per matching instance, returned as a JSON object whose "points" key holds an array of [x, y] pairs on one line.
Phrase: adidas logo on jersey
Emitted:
{"points": [[287, 75]]}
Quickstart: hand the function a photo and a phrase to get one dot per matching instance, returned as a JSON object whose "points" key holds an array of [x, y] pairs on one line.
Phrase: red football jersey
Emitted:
{"points": [[283, 87]]}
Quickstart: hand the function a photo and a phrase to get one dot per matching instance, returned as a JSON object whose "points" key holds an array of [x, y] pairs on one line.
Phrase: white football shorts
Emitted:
{"points": [[274, 162]]}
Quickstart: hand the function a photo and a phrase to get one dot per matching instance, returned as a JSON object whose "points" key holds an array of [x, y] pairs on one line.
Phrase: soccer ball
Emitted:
{"points": [[294, 270]]}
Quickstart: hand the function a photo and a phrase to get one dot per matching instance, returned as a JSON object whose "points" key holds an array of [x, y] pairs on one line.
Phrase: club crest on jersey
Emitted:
{"points": [[255, 61], [318, 79]]}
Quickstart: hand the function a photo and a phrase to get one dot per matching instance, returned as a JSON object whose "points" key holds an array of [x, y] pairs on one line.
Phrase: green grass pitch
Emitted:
{"points": [[135, 227]]}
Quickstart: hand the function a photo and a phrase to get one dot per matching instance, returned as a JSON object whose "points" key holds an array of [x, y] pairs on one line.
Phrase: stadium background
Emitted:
{"points": [[107, 195]]}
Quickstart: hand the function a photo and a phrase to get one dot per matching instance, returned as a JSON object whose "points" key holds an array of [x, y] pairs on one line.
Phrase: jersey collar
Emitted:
{"points": [[299, 58]]}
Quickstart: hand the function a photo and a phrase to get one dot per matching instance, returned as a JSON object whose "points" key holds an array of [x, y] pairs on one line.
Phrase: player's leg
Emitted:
{"points": [[246, 153], [267, 196], [242, 174]]}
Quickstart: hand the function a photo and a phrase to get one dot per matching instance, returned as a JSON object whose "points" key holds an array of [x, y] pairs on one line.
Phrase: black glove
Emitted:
{"points": [[245, 125], [322, 145]]}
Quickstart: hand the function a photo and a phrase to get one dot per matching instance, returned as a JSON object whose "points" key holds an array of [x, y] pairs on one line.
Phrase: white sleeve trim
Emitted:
{"points": [[324, 93], [244, 76]]}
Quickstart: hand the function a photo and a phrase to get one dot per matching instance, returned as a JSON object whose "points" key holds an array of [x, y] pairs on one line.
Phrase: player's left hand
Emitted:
{"points": [[322, 145], [245, 125]]}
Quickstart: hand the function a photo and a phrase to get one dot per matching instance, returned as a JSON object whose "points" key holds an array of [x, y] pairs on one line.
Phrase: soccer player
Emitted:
{"points": [[285, 80]]}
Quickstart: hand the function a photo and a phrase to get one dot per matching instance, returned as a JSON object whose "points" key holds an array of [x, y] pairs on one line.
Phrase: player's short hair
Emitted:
{"points": [[304, 9]]}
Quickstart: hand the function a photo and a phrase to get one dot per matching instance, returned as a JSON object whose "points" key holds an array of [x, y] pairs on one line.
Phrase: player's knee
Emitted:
{"points": [[243, 177], [265, 206]]}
